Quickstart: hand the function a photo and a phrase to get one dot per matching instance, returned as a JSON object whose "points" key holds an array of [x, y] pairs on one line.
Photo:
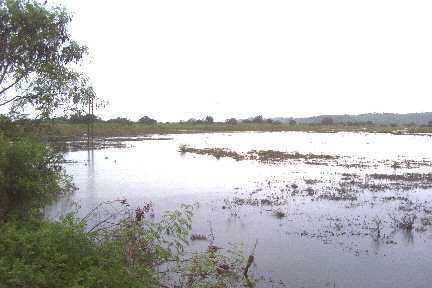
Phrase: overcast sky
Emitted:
{"points": [[173, 60]]}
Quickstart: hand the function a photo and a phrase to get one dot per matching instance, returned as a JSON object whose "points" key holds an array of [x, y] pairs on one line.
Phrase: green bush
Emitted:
{"points": [[61, 254], [30, 176]]}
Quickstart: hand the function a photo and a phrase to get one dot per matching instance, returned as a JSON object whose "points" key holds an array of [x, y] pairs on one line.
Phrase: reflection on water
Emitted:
{"points": [[91, 187], [327, 236]]}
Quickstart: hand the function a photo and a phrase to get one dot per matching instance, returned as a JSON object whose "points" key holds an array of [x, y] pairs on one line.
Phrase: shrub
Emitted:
{"points": [[30, 176], [406, 222], [61, 254]]}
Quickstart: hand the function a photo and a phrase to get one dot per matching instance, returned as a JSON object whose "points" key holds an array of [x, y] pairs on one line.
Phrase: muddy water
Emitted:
{"points": [[334, 222]]}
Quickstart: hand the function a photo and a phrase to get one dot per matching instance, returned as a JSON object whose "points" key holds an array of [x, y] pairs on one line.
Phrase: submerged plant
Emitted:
{"points": [[159, 247], [279, 214], [405, 222], [214, 268], [183, 148], [196, 237], [377, 229]]}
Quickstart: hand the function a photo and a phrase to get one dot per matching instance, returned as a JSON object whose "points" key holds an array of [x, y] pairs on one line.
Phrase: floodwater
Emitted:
{"points": [[337, 221]]}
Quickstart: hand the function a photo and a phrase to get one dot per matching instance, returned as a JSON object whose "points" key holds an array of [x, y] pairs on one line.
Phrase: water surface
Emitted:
{"points": [[327, 236]]}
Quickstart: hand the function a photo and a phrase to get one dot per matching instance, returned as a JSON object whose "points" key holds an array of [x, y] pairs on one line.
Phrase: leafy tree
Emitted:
{"points": [[120, 120], [292, 122], [258, 119], [37, 56], [327, 121], [147, 120], [192, 121], [231, 121], [78, 118], [209, 120]]}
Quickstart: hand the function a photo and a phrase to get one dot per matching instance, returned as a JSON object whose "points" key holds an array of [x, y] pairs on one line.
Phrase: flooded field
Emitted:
{"points": [[315, 209]]}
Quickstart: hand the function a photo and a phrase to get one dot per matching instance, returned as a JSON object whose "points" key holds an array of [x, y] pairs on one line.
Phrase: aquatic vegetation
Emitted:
{"points": [[280, 156], [216, 152], [405, 222], [344, 202], [279, 214], [266, 202], [196, 237]]}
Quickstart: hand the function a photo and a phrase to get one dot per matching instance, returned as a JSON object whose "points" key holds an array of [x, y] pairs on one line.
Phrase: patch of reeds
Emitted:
{"points": [[405, 222]]}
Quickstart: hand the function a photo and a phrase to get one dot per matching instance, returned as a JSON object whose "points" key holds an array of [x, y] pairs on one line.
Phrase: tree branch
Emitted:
{"points": [[11, 85], [4, 73]]}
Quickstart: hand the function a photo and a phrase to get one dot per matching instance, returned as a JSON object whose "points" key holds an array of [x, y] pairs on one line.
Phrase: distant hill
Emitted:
{"points": [[375, 118]]}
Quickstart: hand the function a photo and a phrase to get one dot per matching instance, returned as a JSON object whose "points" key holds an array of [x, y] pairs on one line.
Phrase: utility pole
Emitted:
{"points": [[92, 120], [90, 128]]}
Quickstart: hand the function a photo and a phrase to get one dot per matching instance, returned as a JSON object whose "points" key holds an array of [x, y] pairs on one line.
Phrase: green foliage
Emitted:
{"points": [[231, 121], [17, 128], [193, 121], [36, 59], [150, 243], [79, 118], [209, 120], [133, 251], [327, 121], [147, 120], [258, 119], [61, 254], [30, 176], [215, 269], [119, 120]]}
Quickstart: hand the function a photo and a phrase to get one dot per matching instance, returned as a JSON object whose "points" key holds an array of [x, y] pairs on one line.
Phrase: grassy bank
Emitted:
{"points": [[121, 130]]}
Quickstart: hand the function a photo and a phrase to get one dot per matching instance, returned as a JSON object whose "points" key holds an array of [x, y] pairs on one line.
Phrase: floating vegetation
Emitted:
{"points": [[403, 177], [97, 144], [279, 156], [266, 202], [108, 142], [377, 198], [405, 222], [216, 152], [338, 196], [279, 214], [198, 237]]}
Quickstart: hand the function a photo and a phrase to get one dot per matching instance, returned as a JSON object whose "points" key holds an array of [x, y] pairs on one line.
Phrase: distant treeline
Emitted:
{"points": [[370, 119], [90, 118]]}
